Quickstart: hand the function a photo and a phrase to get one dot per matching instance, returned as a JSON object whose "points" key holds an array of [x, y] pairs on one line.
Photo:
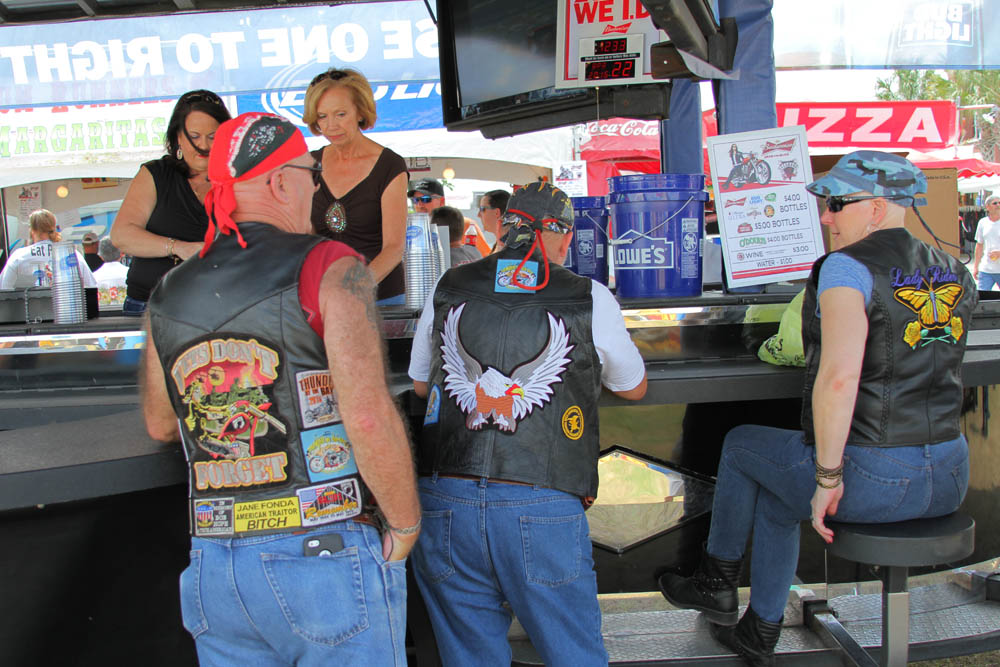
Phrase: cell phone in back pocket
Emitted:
{"points": [[322, 545]]}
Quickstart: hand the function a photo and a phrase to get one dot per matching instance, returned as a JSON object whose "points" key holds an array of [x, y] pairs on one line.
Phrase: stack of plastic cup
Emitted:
{"points": [[438, 250], [421, 273], [67, 291]]}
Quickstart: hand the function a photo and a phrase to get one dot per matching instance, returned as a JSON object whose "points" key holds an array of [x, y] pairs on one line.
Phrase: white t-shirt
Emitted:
{"points": [[111, 284], [31, 266], [988, 233], [622, 367]]}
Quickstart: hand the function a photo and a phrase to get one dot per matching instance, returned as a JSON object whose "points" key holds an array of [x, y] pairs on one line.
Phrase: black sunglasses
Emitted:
{"points": [[201, 96], [423, 199], [836, 204], [333, 74], [485, 208]]}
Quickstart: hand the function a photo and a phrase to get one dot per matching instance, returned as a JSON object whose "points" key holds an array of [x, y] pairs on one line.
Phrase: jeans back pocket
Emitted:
{"points": [[552, 551], [192, 613], [433, 551]]}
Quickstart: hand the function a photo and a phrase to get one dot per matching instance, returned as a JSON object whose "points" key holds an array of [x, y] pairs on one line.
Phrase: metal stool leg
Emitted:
{"points": [[895, 617]]}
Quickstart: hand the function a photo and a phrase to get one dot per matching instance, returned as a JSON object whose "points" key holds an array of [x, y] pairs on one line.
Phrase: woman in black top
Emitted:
{"points": [[162, 220], [361, 200]]}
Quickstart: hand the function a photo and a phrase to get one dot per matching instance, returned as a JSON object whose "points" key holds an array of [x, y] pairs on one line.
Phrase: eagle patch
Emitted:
{"points": [[488, 395]]}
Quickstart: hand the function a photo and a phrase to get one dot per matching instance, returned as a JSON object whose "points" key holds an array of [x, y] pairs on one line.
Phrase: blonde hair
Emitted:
{"points": [[356, 84], [43, 221]]}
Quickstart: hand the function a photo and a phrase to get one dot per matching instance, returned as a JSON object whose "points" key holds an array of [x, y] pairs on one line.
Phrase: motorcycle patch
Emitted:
{"points": [[331, 502], [528, 275], [933, 298], [489, 396], [328, 453], [226, 387], [317, 402], [213, 516], [433, 411]]}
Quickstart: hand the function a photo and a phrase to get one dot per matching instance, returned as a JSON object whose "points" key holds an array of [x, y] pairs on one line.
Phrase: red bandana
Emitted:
{"points": [[245, 147]]}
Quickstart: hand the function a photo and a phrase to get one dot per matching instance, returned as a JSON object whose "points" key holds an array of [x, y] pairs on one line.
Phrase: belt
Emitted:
{"points": [[488, 479]]}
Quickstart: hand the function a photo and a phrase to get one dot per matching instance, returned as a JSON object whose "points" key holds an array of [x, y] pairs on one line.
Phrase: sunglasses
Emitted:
{"points": [[836, 204], [485, 208], [333, 74], [201, 96], [423, 199], [316, 168]]}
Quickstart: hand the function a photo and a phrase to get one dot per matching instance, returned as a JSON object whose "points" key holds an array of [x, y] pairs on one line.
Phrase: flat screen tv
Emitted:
{"points": [[498, 73]]}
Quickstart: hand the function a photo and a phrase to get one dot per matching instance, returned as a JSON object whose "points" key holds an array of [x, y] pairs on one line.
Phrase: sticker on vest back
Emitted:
{"points": [[328, 453], [487, 395], [226, 387], [572, 422], [528, 275], [213, 516], [269, 514], [317, 402], [326, 503], [932, 295], [249, 471], [433, 411]]}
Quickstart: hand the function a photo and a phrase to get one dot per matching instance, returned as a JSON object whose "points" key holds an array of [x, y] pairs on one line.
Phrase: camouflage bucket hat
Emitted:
{"points": [[882, 174], [541, 206]]}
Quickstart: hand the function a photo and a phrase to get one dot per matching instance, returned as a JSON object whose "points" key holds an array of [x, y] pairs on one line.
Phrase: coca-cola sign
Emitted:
{"points": [[621, 127]]}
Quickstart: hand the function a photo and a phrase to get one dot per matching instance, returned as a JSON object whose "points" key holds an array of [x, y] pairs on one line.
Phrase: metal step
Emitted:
{"points": [[948, 618]]}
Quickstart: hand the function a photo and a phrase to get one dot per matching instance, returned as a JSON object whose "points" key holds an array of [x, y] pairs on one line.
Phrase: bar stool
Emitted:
{"points": [[896, 547]]}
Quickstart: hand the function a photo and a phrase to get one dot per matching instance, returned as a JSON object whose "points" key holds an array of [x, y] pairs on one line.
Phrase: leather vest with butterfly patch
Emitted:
{"points": [[515, 378], [249, 381], [910, 390]]}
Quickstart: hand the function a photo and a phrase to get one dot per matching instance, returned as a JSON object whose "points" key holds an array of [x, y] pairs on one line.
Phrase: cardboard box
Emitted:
{"points": [[940, 213]]}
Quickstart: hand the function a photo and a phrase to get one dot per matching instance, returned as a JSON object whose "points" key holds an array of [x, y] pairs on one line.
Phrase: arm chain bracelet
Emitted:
{"points": [[409, 530], [170, 247], [838, 481], [829, 472]]}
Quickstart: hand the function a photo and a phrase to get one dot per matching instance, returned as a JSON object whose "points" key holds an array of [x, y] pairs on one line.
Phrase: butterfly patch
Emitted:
{"points": [[935, 320]]}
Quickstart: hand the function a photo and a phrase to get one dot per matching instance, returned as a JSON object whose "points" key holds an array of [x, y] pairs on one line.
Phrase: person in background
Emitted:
{"points": [[492, 206], [986, 265], [162, 220], [508, 451], [453, 220], [89, 241], [361, 199], [884, 322], [31, 266], [264, 358], [427, 194], [111, 276]]}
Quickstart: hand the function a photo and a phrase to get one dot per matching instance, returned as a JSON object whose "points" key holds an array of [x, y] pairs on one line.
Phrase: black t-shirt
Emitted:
{"points": [[363, 209], [178, 214]]}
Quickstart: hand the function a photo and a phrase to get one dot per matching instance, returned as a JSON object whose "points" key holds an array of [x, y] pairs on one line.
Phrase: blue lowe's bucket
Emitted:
{"points": [[588, 253], [659, 222]]}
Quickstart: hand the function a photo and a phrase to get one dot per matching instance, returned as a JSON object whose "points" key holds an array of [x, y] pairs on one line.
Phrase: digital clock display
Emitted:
{"points": [[608, 46], [601, 70]]}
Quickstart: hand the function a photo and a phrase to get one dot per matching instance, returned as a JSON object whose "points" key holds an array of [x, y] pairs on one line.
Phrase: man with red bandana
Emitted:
{"points": [[292, 562]]}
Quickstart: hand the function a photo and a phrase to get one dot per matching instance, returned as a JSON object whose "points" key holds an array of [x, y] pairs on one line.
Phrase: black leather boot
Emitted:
{"points": [[712, 589], [752, 638]]}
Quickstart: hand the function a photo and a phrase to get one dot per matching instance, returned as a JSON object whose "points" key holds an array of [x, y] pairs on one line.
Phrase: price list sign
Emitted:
{"points": [[768, 222]]}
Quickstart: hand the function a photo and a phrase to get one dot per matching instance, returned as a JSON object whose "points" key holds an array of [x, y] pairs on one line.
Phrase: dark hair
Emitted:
{"points": [[453, 218], [498, 199], [204, 101]]}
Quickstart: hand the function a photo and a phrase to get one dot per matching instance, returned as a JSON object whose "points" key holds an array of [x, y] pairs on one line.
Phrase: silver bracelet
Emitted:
{"points": [[409, 530]]}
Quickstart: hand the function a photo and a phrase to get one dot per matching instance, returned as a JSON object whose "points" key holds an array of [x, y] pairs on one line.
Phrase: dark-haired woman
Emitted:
{"points": [[162, 220], [361, 200]]}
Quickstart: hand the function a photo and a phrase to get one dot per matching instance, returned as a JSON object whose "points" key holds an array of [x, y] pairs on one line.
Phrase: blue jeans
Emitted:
{"points": [[259, 601], [988, 280], [397, 300], [487, 543], [767, 480], [133, 307]]}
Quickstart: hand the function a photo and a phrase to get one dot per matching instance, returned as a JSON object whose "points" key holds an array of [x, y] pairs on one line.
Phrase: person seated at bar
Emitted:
{"points": [[884, 322], [162, 220], [452, 219], [361, 199], [31, 266], [111, 276]]}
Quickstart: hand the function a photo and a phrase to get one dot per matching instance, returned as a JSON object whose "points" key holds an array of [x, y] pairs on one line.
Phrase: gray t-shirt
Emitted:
{"points": [[464, 254]]}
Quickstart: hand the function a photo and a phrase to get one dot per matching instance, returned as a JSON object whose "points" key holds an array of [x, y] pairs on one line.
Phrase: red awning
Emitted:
{"points": [[967, 167]]}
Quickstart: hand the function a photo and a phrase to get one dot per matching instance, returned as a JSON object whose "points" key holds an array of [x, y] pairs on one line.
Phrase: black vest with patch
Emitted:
{"points": [[249, 382], [910, 391], [515, 378]]}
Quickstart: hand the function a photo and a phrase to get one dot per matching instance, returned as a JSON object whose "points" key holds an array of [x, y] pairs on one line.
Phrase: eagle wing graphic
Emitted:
{"points": [[536, 377], [462, 371]]}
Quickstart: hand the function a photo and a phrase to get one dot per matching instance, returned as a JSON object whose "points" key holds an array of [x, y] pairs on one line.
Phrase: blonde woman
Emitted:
{"points": [[31, 266], [361, 200]]}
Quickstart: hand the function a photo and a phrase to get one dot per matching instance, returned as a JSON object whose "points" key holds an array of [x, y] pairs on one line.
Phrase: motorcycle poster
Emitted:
{"points": [[768, 222]]}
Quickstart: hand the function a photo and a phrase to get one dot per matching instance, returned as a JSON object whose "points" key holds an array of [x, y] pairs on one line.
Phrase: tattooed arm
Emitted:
{"points": [[374, 426]]}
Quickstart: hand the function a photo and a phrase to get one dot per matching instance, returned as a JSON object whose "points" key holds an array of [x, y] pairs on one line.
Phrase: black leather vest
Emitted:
{"points": [[515, 378], [910, 391], [249, 381]]}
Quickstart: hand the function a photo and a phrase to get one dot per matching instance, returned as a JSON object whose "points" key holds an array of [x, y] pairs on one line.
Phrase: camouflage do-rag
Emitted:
{"points": [[245, 147]]}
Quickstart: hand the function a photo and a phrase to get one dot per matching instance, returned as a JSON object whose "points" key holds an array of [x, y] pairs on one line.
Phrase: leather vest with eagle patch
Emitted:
{"points": [[515, 378], [249, 381], [910, 390]]}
